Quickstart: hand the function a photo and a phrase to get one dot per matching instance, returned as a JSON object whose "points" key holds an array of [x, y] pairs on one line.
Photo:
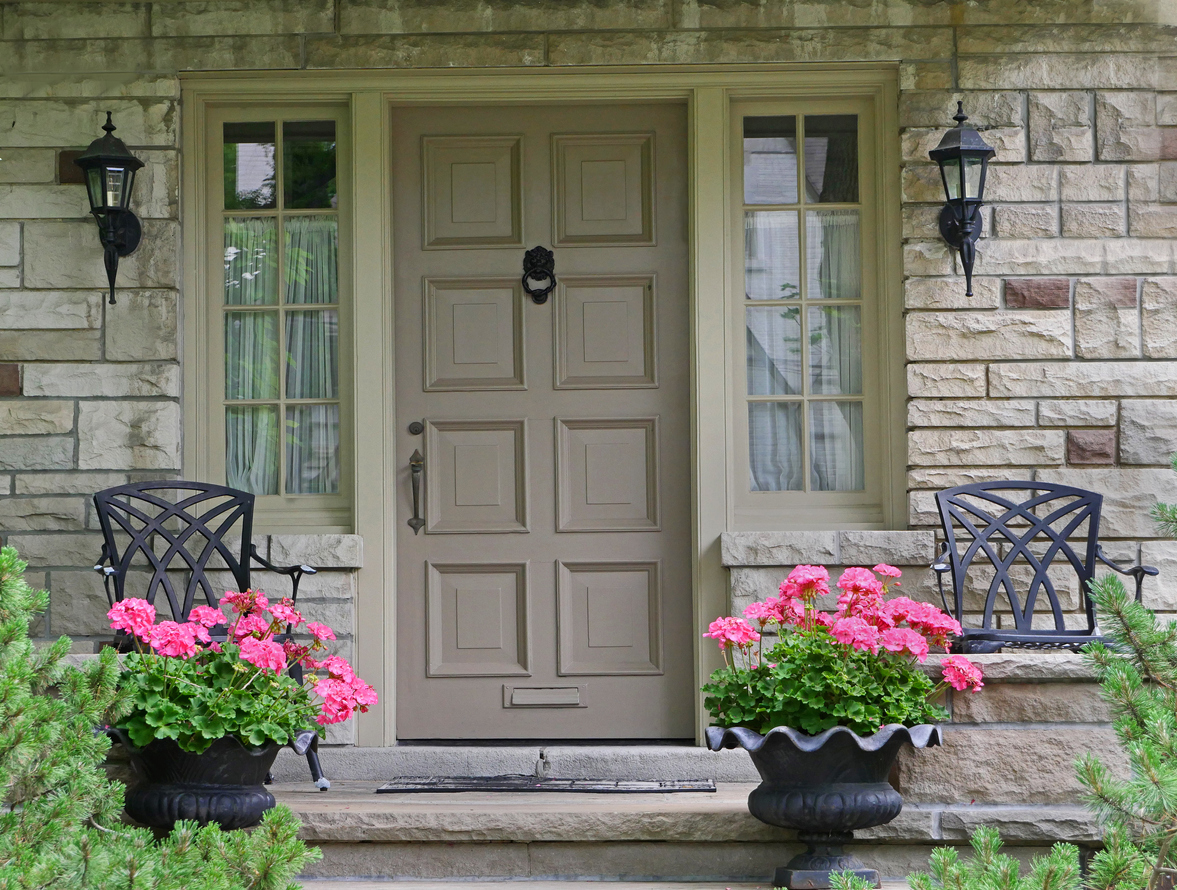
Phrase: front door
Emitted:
{"points": [[547, 593]]}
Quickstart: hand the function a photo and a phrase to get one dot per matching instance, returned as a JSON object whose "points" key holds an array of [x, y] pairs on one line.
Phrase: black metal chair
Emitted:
{"points": [[179, 540], [1034, 525]]}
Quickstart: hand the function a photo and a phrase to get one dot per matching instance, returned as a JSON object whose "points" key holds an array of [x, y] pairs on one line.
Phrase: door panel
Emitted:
{"points": [[548, 595]]}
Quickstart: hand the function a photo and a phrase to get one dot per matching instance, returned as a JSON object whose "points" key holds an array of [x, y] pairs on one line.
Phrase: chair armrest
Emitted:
{"points": [[940, 566], [1137, 572], [107, 572], [295, 573]]}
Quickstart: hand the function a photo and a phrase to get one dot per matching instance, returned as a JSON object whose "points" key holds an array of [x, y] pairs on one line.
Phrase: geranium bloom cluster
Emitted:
{"points": [[251, 630]]}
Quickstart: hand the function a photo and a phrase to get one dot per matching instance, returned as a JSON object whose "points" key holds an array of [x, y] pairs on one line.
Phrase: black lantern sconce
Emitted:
{"points": [[109, 169], [963, 157]]}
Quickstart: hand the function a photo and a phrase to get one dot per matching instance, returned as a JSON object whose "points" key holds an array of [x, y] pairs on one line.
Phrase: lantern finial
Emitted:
{"points": [[109, 126]]}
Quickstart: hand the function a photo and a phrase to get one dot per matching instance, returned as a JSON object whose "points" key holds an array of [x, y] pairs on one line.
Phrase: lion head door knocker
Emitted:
{"points": [[539, 274]]}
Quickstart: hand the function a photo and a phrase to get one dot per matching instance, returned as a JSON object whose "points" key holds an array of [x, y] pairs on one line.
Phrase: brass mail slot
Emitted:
{"points": [[543, 696]]}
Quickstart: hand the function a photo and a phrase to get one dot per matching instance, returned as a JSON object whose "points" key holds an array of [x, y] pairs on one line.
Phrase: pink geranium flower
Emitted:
{"points": [[806, 582], [960, 673], [732, 632], [207, 616], [762, 613], [905, 640], [857, 633], [319, 631], [286, 613], [245, 602], [175, 640], [264, 654], [134, 615], [337, 667], [251, 626], [887, 571]]}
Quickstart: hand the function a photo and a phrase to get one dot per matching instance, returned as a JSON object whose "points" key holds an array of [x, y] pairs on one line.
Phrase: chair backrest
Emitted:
{"points": [[1031, 527], [170, 534]]}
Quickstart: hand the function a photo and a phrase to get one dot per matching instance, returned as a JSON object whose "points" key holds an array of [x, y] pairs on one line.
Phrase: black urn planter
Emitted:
{"points": [[223, 784], [825, 786]]}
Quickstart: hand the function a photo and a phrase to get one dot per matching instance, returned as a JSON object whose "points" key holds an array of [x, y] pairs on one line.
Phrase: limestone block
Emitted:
{"points": [[259, 52], [969, 413], [108, 380], [919, 219], [1126, 126], [68, 345], [1058, 71], [21, 201], [1095, 221], [28, 417], [1045, 825], [1167, 109], [1107, 323], [922, 183], [1152, 221], [1148, 431], [1143, 182], [1032, 703], [67, 483], [1137, 256], [897, 548], [1082, 379], [9, 277], [1008, 142], [142, 326], [339, 615], [157, 188], [946, 381], [237, 17], [42, 21], [1013, 448], [965, 336], [423, 16], [1159, 317], [925, 76], [1038, 293], [319, 551], [111, 85], [1021, 182], [1128, 496], [141, 122], [128, 435], [935, 108], [9, 244], [78, 550], [1160, 593], [1060, 126], [1057, 256], [426, 51], [939, 478], [36, 453], [42, 514], [1025, 220], [946, 293], [1167, 182], [28, 165], [1093, 182], [69, 255], [326, 585], [77, 604], [777, 548], [49, 310], [928, 258], [921, 509], [1076, 412], [1087, 447], [1054, 33]]}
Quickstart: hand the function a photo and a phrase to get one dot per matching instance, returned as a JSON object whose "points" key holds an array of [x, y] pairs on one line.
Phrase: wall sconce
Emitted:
{"points": [[963, 157], [109, 169]]}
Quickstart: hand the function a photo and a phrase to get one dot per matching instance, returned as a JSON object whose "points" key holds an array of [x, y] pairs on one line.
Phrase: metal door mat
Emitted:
{"points": [[443, 784]]}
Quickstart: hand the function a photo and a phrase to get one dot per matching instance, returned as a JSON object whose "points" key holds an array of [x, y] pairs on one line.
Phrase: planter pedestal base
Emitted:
{"points": [[824, 854]]}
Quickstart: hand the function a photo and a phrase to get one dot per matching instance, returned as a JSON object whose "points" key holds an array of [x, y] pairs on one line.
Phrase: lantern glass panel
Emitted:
{"points": [[115, 180], [94, 187], [972, 178], [950, 169]]}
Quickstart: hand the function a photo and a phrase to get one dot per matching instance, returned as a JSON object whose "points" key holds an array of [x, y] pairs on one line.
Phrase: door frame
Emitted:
{"points": [[707, 91]]}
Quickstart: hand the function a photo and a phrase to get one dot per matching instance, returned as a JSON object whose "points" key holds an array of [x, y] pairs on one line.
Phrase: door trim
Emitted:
{"points": [[707, 92]]}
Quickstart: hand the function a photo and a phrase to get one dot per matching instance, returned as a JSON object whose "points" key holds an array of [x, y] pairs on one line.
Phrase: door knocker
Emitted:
{"points": [[539, 274]]}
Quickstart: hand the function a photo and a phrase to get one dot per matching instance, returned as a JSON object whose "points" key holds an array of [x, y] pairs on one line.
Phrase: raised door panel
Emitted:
{"points": [[605, 335], [476, 476], [472, 194], [610, 619], [473, 334], [604, 188], [477, 618], [607, 474]]}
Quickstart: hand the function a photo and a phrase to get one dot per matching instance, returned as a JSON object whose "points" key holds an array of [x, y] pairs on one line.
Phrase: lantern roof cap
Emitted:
{"points": [[961, 140], [108, 150]]}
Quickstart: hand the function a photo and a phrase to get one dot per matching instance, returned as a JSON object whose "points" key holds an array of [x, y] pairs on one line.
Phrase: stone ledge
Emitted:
{"points": [[782, 548], [1026, 667]]}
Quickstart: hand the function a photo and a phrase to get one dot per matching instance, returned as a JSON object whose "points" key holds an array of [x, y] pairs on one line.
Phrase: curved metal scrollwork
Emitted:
{"points": [[539, 273]]}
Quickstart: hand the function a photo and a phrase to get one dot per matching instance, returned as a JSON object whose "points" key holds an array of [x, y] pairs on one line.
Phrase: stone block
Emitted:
{"points": [[1039, 256], [67, 483], [1166, 182], [111, 85], [969, 413], [42, 514], [1107, 323], [9, 277], [1160, 593], [919, 219], [319, 551], [777, 548], [1167, 109], [50, 310], [106, 380], [423, 16], [924, 76], [69, 345], [1137, 256], [1082, 379], [921, 183], [28, 417], [1037, 293], [425, 51], [1046, 825], [946, 293], [77, 604], [921, 509], [1091, 447], [1143, 182], [897, 548], [1159, 317], [1152, 221], [928, 258], [935, 108], [946, 381], [1094, 221], [1128, 496], [938, 478], [28, 165], [36, 453], [1125, 127], [1094, 182], [956, 448], [1058, 71], [1008, 142], [1032, 703], [47, 21], [55, 123], [965, 336], [1169, 143], [9, 244], [22, 201], [157, 189], [78, 550], [1021, 183], [142, 326], [1076, 412], [1060, 27], [254, 52], [336, 614], [230, 18], [1060, 126], [9, 380], [1148, 431], [118, 435], [69, 255], [1025, 221]]}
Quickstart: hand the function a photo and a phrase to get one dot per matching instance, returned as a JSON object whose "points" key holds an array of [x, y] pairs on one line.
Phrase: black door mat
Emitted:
{"points": [[442, 784]]}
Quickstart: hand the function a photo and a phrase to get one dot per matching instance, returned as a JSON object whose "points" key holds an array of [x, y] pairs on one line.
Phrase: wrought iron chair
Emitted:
{"points": [[1028, 527], [179, 540]]}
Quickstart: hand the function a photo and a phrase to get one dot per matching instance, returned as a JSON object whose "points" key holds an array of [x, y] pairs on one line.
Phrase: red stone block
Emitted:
{"points": [[1037, 293], [1087, 447], [9, 380], [1169, 143]]}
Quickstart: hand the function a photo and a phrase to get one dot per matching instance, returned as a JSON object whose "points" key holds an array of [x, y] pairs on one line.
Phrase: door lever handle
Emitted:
{"points": [[416, 462]]}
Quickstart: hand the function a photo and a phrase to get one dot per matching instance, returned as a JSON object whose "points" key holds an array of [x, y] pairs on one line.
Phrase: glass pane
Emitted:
{"points": [[835, 446], [950, 170], [249, 166], [312, 355], [774, 446], [972, 177], [831, 158], [833, 255], [115, 178], [308, 159], [770, 160], [772, 255], [312, 449], [312, 254], [251, 259], [835, 350], [251, 448], [774, 351], [251, 355]]}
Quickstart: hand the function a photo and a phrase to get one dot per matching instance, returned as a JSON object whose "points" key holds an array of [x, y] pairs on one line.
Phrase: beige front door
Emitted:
{"points": [[548, 591]]}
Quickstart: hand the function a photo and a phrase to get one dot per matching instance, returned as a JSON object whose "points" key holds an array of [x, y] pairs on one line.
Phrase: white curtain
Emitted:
{"points": [[312, 257], [251, 267], [835, 444], [774, 446], [312, 449], [251, 448]]}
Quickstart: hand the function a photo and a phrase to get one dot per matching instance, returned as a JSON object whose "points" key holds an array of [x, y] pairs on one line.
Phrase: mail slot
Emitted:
{"points": [[543, 696]]}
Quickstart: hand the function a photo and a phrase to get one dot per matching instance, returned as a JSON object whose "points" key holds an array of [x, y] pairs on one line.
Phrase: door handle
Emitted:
{"points": [[416, 462]]}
